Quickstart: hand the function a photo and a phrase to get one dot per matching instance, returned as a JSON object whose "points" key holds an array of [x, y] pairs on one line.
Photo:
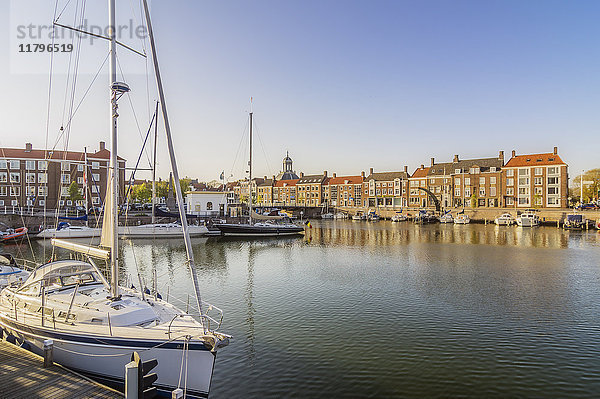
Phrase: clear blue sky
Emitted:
{"points": [[342, 85]]}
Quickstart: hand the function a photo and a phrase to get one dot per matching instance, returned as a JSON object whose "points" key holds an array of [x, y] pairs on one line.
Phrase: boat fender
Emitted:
{"points": [[146, 290]]}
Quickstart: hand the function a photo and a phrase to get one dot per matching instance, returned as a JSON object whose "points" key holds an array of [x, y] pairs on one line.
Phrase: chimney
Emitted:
{"points": [[455, 160], [370, 171], [325, 173], [362, 174], [273, 178], [432, 161], [555, 150], [28, 147], [422, 166], [102, 145], [514, 153], [301, 174], [501, 156], [406, 169], [334, 175]]}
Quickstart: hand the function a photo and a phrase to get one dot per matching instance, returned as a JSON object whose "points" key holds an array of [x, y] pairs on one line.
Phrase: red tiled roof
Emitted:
{"points": [[534, 160], [420, 172], [344, 179], [292, 182]]}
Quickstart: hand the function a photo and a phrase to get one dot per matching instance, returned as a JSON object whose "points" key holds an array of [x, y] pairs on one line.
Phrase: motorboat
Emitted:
{"points": [[462, 218], [446, 218], [373, 217], [10, 272], [528, 218], [506, 219], [423, 217], [268, 228], [399, 217], [327, 215], [66, 230], [10, 234], [359, 216], [575, 221], [160, 230], [341, 215]]}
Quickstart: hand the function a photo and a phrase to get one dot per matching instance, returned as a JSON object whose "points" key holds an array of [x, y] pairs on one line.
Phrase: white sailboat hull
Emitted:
{"points": [[70, 232], [106, 359]]}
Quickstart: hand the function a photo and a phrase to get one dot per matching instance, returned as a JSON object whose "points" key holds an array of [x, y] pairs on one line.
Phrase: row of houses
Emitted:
{"points": [[524, 181]]}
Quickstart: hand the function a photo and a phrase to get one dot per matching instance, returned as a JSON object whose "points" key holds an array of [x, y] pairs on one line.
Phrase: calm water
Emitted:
{"points": [[384, 310]]}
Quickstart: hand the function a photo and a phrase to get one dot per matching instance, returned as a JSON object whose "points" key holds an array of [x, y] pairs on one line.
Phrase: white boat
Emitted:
{"points": [[462, 218], [446, 218], [373, 217], [399, 217], [359, 216], [160, 230], [10, 272], [505, 219], [327, 215], [528, 218], [341, 215], [96, 325], [66, 230]]}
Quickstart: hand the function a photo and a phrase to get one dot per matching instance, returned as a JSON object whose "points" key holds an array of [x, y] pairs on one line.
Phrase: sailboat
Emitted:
{"points": [[266, 226], [95, 324], [159, 230]]}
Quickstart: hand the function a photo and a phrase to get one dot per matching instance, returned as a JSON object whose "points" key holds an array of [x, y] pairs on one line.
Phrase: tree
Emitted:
{"points": [[591, 186], [74, 193], [474, 200]]}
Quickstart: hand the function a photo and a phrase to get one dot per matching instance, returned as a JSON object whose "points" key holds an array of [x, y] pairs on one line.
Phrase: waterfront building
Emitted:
{"points": [[206, 203], [310, 189], [264, 192], [417, 197], [477, 181], [386, 189], [536, 180], [344, 190], [33, 178], [284, 192], [439, 181]]}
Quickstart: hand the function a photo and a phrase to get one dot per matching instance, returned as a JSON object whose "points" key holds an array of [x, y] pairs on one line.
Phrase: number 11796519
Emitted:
{"points": [[47, 48]]}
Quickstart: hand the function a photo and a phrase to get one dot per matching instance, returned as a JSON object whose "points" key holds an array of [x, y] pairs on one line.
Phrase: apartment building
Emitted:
{"points": [[386, 189], [416, 196], [345, 190], [477, 182], [310, 189], [264, 192], [41, 178], [536, 180], [284, 192]]}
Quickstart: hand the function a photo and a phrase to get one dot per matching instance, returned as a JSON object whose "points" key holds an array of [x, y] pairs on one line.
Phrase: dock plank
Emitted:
{"points": [[22, 376]]}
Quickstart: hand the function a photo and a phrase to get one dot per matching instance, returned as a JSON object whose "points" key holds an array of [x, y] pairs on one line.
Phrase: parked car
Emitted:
{"points": [[588, 206]]}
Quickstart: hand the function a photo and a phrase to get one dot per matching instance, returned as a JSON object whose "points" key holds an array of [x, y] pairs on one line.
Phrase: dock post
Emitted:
{"points": [[177, 394], [131, 380], [48, 353]]}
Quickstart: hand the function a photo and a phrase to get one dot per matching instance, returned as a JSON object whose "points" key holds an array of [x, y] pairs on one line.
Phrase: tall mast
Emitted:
{"points": [[154, 165], [114, 169], [85, 183], [250, 169], [184, 225]]}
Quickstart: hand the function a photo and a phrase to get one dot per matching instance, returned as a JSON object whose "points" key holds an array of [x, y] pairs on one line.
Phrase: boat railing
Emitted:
{"points": [[211, 316]]}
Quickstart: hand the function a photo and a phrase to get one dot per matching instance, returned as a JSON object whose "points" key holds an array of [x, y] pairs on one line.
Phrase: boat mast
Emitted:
{"points": [[85, 182], [184, 225], [154, 165], [250, 169], [114, 260]]}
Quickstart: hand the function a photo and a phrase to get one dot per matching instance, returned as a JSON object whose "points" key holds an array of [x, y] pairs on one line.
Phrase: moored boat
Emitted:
{"points": [[446, 218], [528, 218], [506, 219], [462, 218]]}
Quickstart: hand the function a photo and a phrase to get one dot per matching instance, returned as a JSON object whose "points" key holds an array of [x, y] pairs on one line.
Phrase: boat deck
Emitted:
{"points": [[22, 376]]}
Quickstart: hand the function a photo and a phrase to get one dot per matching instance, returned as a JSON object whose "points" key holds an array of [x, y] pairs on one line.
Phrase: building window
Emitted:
{"points": [[523, 190], [95, 177], [15, 177], [468, 191], [2, 163], [537, 181], [553, 180], [15, 164], [457, 192], [552, 200], [523, 181], [431, 181], [3, 191], [80, 167], [14, 202], [474, 170], [482, 180], [492, 191], [510, 182], [30, 177], [457, 181], [42, 202], [80, 180], [510, 191], [65, 166], [492, 169], [538, 171], [15, 191], [64, 191], [552, 190], [30, 165], [96, 200], [42, 165], [553, 170], [65, 178], [95, 165], [523, 172], [510, 201], [3, 177], [42, 178], [538, 201], [510, 172], [537, 191], [493, 180], [482, 191], [42, 191], [30, 190], [467, 181]]}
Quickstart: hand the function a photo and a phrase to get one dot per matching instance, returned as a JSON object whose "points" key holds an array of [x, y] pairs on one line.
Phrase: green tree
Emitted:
{"points": [[474, 203], [591, 186], [185, 185], [74, 194]]}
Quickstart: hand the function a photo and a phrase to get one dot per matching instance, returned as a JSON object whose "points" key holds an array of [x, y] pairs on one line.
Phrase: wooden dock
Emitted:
{"points": [[22, 376]]}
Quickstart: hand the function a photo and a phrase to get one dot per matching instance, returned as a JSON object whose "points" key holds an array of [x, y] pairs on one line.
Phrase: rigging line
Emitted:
{"points": [[263, 149], [68, 77], [131, 178], [48, 118], [133, 111], [242, 140], [84, 96], [61, 12]]}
